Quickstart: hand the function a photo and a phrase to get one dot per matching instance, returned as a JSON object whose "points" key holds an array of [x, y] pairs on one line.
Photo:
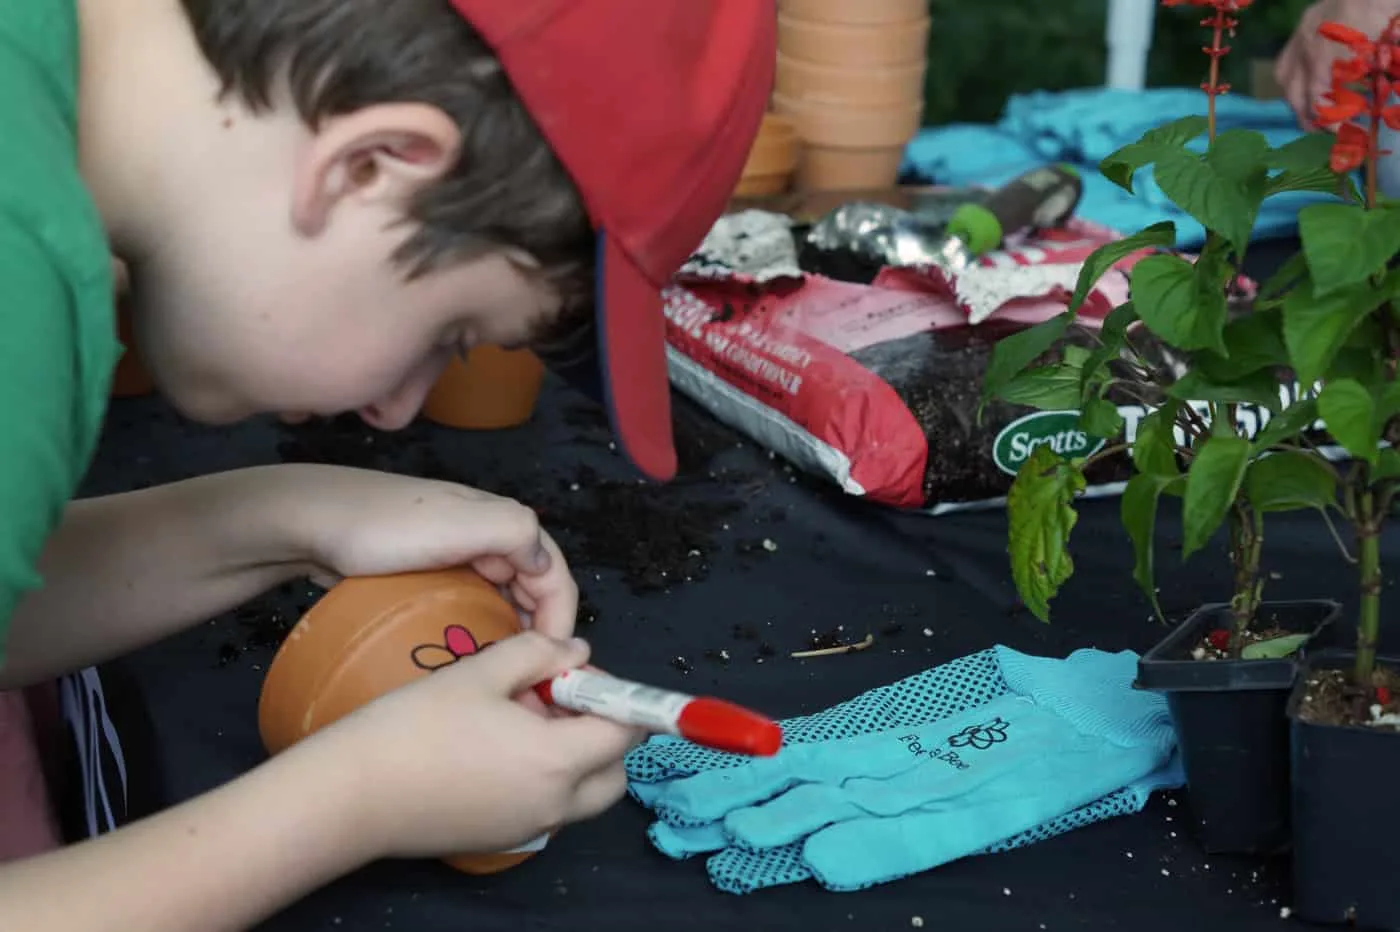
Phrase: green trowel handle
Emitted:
{"points": [[1041, 198]]}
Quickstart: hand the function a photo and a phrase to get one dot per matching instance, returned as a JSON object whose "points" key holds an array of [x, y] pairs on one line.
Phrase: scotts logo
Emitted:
{"points": [[1059, 430]]}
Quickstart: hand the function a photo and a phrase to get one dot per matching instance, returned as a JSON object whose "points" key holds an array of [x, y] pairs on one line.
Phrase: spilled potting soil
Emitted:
{"points": [[654, 537]]}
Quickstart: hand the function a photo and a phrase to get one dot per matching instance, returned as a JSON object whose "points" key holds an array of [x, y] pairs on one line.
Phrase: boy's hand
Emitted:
{"points": [[1304, 68], [362, 523], [451, 764]]}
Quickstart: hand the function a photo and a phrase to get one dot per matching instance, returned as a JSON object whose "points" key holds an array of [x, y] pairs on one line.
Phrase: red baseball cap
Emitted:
{"points": [[651, 106]]}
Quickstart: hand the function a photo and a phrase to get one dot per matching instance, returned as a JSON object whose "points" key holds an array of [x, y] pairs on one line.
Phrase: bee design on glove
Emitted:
{"points": [[980, 737]]}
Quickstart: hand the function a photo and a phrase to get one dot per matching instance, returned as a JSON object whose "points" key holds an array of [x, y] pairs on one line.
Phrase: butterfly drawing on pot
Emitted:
{"points": [[457, 642]]}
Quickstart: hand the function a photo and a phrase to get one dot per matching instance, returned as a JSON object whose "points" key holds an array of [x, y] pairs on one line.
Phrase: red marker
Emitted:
{"points": [[713, 723]]}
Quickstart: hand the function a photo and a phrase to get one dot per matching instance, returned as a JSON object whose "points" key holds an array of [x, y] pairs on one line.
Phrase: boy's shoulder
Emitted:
{"points": [[57, 327], [49, 222]]}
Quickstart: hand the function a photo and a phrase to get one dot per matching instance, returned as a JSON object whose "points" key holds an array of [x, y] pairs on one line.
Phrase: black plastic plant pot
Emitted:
{"points": [[1346, 814], [1232, 727]]}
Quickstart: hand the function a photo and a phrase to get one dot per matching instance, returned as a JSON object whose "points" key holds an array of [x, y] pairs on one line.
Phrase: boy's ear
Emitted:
{"points": [[384, 153]]}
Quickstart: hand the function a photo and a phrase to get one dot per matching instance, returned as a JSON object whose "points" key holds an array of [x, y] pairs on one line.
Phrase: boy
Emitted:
{"points": [[318, 202]]}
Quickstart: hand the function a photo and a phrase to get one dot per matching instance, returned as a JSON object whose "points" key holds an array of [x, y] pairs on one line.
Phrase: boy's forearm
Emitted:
{"points": [[219, 863], [125, 570]]}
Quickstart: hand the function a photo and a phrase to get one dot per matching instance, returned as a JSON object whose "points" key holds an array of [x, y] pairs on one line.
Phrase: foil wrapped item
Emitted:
{"points": [[893, 236]]}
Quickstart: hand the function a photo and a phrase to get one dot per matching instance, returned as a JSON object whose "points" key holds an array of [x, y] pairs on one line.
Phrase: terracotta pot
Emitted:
{"points": [[805, 82], [763, 185], [829, 169], [492, 389], [774, 150], [848, 46], [849, 127], [855, 12], [130, 378], [369, 636]]}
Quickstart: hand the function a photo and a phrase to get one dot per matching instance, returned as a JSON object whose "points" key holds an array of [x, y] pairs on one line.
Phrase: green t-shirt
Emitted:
{"points": [[58, 341]]}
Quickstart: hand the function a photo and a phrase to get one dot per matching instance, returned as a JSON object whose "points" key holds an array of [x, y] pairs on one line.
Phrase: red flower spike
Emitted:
{"points": [[1348, 71], [1359, 101], [1219, 639], [1354, 39], [1346, 106], [1350, 149], [1383, 695]]}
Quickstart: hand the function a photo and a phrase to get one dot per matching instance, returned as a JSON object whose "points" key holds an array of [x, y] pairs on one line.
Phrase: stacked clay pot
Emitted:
{"points": [[850, 77], [492, 389], [772, 159]]}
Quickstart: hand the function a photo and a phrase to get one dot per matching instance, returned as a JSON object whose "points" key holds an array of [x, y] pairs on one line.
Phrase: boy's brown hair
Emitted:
{"points": [[337, 56]]}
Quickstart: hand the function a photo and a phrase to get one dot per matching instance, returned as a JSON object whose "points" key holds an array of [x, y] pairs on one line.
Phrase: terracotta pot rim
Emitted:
{"points": [[827, 26], [803, 64], [850, 109]]}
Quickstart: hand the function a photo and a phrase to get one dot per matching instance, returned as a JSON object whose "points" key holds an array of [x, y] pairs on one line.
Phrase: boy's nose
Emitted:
{"points": [[398, 409]]}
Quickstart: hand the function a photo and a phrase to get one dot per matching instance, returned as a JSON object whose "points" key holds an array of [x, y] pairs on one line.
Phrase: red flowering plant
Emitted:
{"points": [[1341, 319], [1227, 428]]}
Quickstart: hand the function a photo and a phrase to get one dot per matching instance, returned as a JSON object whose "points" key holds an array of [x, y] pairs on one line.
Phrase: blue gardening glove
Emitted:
{"points": [[1072, 763]]}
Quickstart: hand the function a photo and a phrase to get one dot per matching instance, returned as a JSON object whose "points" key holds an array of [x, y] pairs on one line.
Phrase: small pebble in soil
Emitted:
{"points": [[917, 922], [681, 664]]}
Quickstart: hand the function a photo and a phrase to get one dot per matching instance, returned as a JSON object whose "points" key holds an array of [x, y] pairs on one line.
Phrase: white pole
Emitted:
{"points": [[1129, 39]]}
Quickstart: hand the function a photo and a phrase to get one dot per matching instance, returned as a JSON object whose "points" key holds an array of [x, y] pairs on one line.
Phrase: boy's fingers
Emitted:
{"points": [[517, 663], [592, 743], [552, 596], [598, 792]]}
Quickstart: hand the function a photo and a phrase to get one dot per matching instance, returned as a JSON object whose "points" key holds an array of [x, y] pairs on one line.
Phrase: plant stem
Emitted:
{"points": [[1372, 180], [1369, 621], [1246, 547], [1217, 29]]}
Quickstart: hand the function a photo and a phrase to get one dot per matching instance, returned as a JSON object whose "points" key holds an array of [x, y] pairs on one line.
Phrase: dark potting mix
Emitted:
{"points": [[654, 537]]}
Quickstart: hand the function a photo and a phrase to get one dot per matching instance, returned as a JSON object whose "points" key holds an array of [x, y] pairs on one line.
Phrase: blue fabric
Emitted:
{"points": [[990, 752], [1082, 127]]}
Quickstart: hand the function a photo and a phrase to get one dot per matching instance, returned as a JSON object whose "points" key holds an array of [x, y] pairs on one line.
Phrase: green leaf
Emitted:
{"points": [[1252, 342], [1154, 445], [1321, 180], [1346, 243], [1294, 419], [1048, 388], [1303, 153], [1222, 189], [1109, 254], [1290, 480], [1388, 467], [1101, 418], [1138, 512], [1041, 519], [1389, 405], [1349, 411], [1011, 355], [1274, 648], [1121, 166], [1179, 304], [1258, 388], [1360, 364], [1112, 338], [1212, 482], [1282, 281], [1317, 325]]}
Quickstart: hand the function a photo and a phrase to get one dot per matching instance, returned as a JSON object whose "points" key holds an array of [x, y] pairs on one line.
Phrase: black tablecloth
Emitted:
{"points": [[928, 589]]}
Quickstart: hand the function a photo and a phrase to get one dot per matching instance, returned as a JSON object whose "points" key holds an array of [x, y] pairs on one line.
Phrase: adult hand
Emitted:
{"points": [[1304, 69], [452, 764], [365, 523]]}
